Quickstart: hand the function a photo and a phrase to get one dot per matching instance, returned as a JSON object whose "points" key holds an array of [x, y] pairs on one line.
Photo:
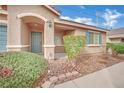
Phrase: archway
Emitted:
{"points": [[32, 32]]}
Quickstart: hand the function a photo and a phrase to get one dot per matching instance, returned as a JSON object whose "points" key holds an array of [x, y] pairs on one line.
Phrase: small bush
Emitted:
{"points": [[73, 45], [118, 48], [108, 45], [20, 69]]}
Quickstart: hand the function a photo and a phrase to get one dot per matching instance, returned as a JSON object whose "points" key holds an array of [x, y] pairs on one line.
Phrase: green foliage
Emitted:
{"points": [[25, 67], [118, 48], [108, 45], [73, 45]]}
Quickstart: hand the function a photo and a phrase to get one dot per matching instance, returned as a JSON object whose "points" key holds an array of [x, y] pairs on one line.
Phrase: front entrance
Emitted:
{"points": [[36, 42]]}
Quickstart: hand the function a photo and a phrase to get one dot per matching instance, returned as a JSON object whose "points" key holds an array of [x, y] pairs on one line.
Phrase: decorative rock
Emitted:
{"points": [[52, 85], [79, 75], [75, 73], [61, 77], [54, 79], [48, 71], [58, 82], [68, 75], [38, 87], [47, 84]]}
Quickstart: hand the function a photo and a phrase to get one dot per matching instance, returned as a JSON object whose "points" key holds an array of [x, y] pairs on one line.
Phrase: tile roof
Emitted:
{"points": [[116, 31]]}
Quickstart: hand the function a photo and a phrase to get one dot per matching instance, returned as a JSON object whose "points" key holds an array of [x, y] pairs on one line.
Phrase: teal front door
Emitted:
{"points": [[36, 42]]}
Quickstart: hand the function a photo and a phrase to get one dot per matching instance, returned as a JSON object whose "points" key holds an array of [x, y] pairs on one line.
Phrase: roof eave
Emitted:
{"points": [[80, 25], [53, 10]]}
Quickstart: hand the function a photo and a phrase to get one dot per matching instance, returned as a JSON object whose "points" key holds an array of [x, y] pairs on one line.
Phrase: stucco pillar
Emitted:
{"points": [[49, 40], [14, 33]]}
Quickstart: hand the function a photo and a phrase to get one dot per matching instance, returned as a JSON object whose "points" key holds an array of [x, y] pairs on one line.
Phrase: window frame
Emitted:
{"points": [[60, 39], [89, 38]]}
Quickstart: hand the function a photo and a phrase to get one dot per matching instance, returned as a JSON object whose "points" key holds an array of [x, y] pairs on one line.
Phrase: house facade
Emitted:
{"points": [[116, 35], [39, 29]]}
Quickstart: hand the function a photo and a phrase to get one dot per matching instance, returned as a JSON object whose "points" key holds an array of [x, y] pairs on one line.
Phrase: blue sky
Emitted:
{"points": [[111, 16]]}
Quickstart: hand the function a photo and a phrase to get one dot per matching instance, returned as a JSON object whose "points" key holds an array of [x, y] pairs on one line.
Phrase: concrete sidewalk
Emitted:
{"points": [[107, 78]]}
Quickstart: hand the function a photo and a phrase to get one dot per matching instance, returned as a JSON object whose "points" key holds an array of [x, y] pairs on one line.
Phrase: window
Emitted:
{"points": [[58, 40], [93, 38]]}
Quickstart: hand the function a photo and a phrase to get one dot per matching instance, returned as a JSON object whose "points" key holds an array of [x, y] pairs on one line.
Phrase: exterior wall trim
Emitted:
{"points": [[31, 14], [3, 22], [94, 45], [2, 11], [49, 45], [17, 46]]}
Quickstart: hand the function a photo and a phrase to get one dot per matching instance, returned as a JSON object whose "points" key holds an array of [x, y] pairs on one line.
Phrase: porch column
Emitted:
{"points": [[49, 40], [14, 33]]}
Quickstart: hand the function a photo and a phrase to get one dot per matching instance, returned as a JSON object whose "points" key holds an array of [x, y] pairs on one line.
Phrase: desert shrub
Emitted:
{"points": [[73, 45], [21, 69], [118, 48], [108, 45]]}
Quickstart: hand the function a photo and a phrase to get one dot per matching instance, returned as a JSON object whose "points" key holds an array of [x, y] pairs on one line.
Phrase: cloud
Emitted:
{"points": [[83, 20], [66, 17], [111, 17], [82, 7]]}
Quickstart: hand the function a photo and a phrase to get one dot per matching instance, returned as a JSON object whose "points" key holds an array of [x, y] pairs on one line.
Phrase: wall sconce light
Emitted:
{"points": [[49, 23]]}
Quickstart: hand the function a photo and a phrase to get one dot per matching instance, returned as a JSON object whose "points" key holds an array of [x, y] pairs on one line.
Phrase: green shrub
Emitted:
{"points": [[21, 69], [118, 48], [73, 45], [108, 45]]}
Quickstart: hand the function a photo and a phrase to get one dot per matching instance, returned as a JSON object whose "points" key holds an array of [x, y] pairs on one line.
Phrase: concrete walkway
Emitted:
{"points": [[107, 78]]}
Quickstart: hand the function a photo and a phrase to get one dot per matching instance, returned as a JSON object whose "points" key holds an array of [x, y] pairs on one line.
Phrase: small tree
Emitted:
{"points": [[73, 45]]}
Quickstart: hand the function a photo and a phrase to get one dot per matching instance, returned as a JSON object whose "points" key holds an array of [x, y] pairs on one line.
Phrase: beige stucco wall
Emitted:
{"points": [[25, 37], [14, 34], [115, 40], [19, 34], [94, 49], [14, 11], [88, 48], [59, 48], [80, 32], [3, 17]]}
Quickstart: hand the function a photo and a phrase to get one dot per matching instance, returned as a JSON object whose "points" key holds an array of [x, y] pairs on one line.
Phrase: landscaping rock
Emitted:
{"points": [[48, 71], [75, 73], [68, 75], [61, 77], [54, 79], [47, 84], [61, 70]]}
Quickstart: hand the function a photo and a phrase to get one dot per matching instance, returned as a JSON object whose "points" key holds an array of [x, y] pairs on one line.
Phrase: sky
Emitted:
{"points": [[104, 16]]}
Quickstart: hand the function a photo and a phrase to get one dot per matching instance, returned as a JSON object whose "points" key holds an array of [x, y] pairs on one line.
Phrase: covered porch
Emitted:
{"points": [[43, 37], [61, 31]]}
